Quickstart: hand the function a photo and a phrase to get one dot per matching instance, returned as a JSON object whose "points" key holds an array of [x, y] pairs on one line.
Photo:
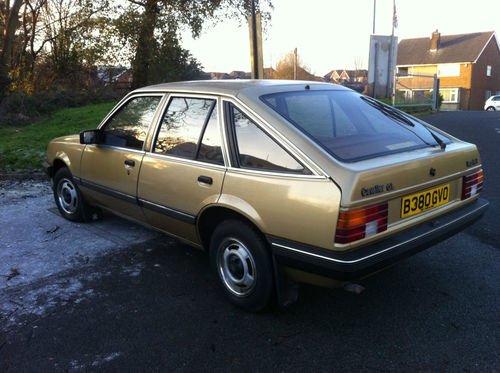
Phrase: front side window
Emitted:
{"points": [[129, 126], [256, 150], [350, 126], [189, 129]]}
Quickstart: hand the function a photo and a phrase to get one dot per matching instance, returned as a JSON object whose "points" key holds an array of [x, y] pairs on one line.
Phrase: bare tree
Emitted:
{"points": [[358, 65], [285, 68]]}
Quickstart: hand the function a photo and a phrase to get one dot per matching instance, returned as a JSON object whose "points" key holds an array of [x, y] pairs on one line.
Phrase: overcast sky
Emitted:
{"points": [[331, 34]]}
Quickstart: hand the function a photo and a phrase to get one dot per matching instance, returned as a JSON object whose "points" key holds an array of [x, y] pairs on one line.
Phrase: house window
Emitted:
{"points": [[452, 69], [450, 95], [488, 95], [488, 70], [403, 70]]}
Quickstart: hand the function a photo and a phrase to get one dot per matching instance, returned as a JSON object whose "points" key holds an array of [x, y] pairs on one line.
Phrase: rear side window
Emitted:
{"points": [[256, 150], [129, 126], [210, 148], [190, 129], [349, 126]]}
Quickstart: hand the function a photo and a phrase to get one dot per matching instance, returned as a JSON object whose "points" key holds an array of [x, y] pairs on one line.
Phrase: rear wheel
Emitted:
{"points": [[241, 262], [490, 108], [68, 197]]}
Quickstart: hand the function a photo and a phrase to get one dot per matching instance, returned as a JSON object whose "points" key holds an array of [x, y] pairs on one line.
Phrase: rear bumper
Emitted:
{"points": [[369, 259]]}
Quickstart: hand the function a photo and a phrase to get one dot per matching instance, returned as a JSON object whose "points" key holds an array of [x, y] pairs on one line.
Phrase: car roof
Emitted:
{"points": [[236, 86]]}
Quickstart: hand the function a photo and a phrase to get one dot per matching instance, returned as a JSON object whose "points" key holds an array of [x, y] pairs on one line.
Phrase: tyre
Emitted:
{"points": [[490, 108], [240, 260], [68, 197]]}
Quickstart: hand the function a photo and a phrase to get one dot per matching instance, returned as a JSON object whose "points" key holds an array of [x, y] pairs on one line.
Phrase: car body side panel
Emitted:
{"points": [[302, 209], [67, 149], [172, 185]]}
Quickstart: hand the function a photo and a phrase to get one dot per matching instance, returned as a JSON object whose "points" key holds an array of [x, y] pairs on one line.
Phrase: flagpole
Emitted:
{"points": [[388, 89]]}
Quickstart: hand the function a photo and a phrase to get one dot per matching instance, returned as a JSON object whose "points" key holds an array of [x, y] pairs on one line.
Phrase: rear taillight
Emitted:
{"points": [[360, 223], [472, 184]]}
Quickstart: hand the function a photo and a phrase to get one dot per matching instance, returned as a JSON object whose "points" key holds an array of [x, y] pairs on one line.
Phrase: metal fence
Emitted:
{"points": [[416, 90]]}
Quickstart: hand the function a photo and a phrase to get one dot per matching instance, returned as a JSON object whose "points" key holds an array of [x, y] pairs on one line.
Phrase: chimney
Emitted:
{"points": [[436, 36]]}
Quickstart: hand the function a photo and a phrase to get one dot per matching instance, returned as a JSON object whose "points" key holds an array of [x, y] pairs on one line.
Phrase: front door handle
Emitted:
{"points": [[130, 162], [205, 180]]}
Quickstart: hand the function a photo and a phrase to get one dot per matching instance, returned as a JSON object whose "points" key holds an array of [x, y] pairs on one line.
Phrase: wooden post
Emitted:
{"points": [[256, 55]]}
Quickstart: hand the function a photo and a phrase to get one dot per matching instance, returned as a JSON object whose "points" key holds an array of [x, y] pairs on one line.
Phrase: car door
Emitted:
{"points": [[184, 169], [496, 102], [109, 170]]}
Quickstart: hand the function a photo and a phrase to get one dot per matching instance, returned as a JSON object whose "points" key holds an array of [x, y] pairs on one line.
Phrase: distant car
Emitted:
{"points": [[493, 103], [278, 181]]}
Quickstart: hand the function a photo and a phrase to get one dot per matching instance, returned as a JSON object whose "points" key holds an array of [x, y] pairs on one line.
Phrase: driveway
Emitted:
{"points": [[113, 296]]}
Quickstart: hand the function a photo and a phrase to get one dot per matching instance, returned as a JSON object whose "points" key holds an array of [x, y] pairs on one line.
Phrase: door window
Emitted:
{"points": [[256, 150], [129, 126], [210, 149], [189, 129]]}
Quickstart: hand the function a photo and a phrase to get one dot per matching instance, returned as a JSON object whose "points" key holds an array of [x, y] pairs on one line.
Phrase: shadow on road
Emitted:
{"points": [[155, 305]]}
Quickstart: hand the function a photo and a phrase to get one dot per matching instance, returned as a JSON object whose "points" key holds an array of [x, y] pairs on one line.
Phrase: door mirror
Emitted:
{"points": [[90, 137]]}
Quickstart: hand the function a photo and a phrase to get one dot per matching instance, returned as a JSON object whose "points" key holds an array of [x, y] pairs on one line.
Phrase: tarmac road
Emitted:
{"points": [[112, 296]]}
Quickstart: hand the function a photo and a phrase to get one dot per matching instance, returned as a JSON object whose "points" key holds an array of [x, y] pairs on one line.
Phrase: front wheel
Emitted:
{"points": [[490, 108], [68, 197], [241, 262]]}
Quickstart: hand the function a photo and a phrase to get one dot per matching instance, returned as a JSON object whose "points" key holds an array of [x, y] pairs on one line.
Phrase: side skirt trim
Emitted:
{"points": [[168, 211], [173, 213]]}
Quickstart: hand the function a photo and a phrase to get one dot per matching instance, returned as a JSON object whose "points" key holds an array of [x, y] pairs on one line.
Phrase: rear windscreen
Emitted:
{"points": [[351, 126]]}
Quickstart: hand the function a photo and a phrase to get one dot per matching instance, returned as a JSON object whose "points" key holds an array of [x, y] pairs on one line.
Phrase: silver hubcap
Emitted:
{"points": [[236, 267], [67, 195]]}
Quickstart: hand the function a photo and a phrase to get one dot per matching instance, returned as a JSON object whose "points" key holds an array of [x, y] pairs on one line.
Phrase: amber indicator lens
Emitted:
{"points": [[472, 184]]}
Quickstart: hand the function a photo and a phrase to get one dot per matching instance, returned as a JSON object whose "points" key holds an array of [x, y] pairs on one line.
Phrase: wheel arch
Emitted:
{"points": [[212, 216], [57, 165]]}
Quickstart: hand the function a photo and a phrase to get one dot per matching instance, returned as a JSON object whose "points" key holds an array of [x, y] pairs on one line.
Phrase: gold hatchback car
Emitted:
{"points": [[280, 182]]}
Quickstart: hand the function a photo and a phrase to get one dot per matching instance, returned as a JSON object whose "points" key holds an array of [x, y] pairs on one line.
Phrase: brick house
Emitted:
{"points": [[354, 79], [332, 76], [348, 76], [467, 65]]}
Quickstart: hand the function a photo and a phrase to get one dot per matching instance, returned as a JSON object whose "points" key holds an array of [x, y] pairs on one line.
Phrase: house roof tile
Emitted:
{"points": [[452, 49]]}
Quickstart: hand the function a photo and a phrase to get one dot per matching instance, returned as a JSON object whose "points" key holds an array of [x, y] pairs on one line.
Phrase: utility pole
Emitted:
{"points": [[295, 64], [374, 11], [254, 42]]}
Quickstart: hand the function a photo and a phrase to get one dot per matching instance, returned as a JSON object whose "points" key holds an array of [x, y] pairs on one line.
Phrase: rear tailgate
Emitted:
{"points": [[417, 185]]}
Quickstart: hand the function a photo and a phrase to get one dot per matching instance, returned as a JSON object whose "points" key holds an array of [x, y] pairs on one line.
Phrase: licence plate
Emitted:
{"points": [[420, 202]]}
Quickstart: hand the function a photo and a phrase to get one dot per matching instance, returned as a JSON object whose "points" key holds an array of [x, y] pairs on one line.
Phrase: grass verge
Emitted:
{"points": [[24, 148], [416, 111]]}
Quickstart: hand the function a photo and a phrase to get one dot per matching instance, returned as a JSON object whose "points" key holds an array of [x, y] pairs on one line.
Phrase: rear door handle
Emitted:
{"points": [[130, 162], [205, 180]]}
